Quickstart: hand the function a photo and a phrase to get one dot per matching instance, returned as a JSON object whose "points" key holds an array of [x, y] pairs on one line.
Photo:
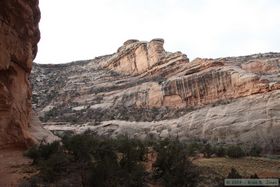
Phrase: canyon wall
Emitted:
{"points": [[144, 91], [19, 35]]}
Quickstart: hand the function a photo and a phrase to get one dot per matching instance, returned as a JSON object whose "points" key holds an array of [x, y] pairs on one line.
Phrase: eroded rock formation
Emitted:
{"points": [[143, 89], [19, 35]]}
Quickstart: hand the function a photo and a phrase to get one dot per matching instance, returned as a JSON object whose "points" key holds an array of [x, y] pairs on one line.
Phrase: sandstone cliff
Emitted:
{"points": [[19, 35], [143, 90]]}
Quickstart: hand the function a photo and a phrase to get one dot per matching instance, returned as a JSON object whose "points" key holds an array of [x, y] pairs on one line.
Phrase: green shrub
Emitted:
{"points": [[220, 151], [46, 150], [235, 151], [173, 166], [255, 176], [43, 151], [233, 174], [194, 148], [207, 150], [33, 153], [105, 166], [50, 159], [131, 149], [80, 146], [118, 163], [255, 150], [133, 153], [100, 161], [53, 167]]}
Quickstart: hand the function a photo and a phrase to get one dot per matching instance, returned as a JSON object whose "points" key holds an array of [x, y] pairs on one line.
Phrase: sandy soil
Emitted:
{"points": [[14, 167]]}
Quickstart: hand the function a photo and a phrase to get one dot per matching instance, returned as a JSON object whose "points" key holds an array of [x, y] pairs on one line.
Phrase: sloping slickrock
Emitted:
{"points": [[223, 100]]}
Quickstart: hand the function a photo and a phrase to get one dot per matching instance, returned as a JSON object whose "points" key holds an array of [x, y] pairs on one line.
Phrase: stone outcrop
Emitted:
{"points": [[213, 80], [135, 57], [149, 90], [19, 35]]}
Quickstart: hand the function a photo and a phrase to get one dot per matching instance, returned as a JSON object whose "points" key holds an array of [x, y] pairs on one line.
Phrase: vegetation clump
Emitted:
{"points": [[88, 160], [235, 151], [255, 151], [172, 165]]}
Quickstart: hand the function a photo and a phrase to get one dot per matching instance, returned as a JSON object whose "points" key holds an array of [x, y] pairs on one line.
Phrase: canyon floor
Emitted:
{"points": [[263, 167], [14, 167]]}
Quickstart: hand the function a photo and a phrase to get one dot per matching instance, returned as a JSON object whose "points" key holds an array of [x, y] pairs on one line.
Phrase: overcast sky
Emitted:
{"points": [[83, 29]]}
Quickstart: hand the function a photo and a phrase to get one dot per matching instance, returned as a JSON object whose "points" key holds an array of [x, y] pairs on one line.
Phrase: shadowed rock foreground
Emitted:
{"points": [[19, 35], [146, 92], [19, 126]]}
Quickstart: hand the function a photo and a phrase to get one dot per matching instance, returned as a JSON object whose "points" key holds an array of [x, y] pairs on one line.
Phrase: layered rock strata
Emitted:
{"points": [[144, 84]]}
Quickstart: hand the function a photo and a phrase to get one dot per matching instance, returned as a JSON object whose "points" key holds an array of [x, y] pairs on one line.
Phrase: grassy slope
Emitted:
{"points": [[246, 166]]}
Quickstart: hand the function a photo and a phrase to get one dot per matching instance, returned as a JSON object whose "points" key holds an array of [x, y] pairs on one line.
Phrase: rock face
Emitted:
{"points": [[143, 90], [19, 35], [136, 57]]}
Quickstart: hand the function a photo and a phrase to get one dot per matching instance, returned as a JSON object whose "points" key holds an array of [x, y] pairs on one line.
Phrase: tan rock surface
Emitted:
{"points": [[143, 89], [15, 168], [19, 35], [135, 57], [254, 120]]}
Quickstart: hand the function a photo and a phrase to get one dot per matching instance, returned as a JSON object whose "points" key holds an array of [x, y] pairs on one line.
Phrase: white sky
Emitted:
{"points": [[83, 29]]}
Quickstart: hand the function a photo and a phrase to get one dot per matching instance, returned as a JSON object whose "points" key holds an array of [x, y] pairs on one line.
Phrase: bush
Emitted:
{"points": [[194, 148], [53, 167], [131, 149], [43, 151], [80, 146], [50, 159], [87, 160], [220, 151], [255, 176], [173, 166], [233, 174], [118, 163], [255, 150], [94, 160], [235, 151], [105, 167], [208, 150], [133, 152], [33, 153]]}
